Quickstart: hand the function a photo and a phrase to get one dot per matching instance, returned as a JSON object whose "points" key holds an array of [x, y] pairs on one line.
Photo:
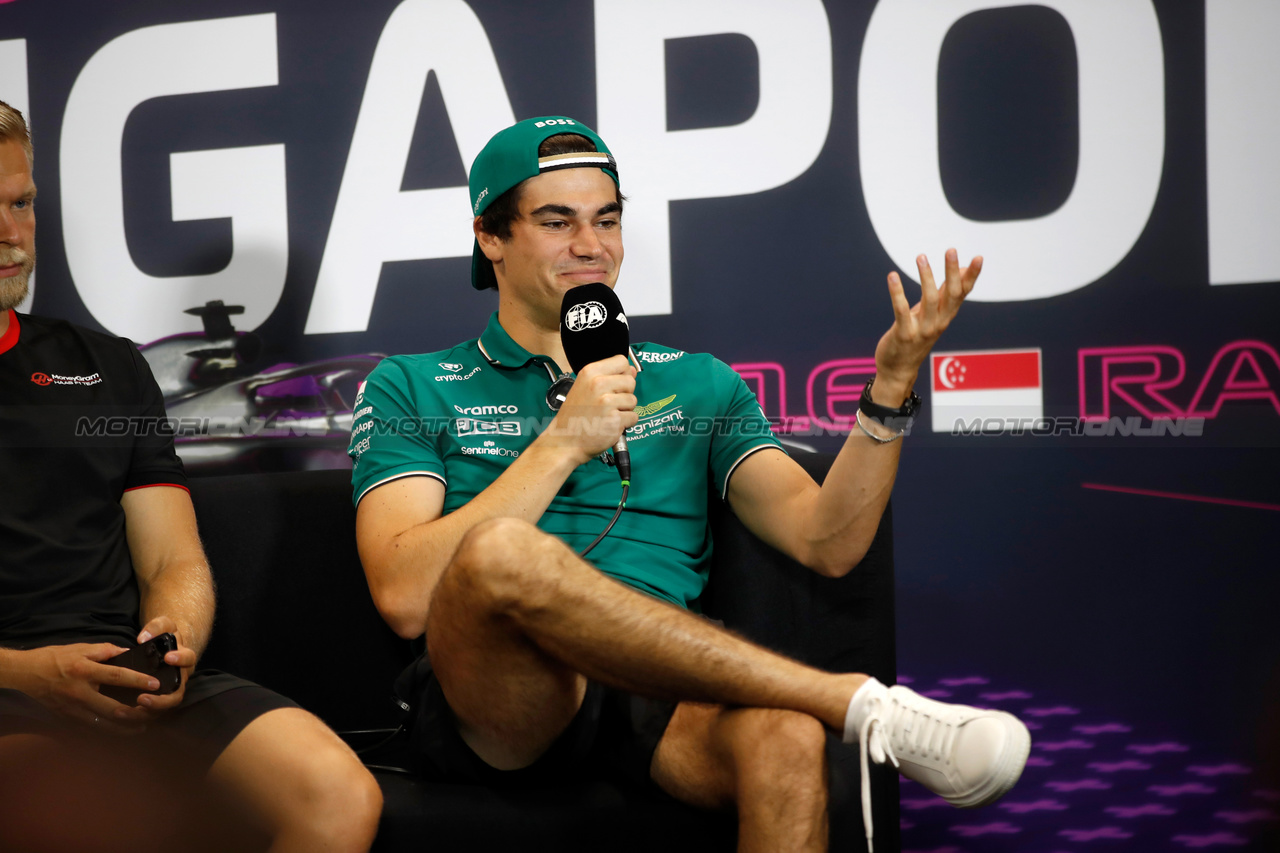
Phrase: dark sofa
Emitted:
{"points": [[294, 614]]}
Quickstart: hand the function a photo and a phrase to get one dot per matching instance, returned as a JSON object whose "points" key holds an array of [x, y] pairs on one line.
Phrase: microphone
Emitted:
{"points": [[593, 327]]}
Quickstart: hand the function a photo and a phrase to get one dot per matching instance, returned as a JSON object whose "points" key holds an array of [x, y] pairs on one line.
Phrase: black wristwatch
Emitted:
{"points": [[899, 419]]}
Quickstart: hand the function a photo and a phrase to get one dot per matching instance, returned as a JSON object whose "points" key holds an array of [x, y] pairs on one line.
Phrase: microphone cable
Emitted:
{"points": [[626, 487], [556, 395]]}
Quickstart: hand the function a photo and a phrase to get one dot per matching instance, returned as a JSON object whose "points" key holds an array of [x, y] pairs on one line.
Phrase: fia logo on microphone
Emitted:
{"points": [[588, 315]]}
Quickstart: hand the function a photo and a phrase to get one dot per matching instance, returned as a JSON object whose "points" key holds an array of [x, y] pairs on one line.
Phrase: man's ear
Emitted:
{"points": [[490, 244]]}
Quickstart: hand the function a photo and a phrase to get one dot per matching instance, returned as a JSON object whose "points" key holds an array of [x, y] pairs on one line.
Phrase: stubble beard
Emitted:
{"points": [[14, 288]]}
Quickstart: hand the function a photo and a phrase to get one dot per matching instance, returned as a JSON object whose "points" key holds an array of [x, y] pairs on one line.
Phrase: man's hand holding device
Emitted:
{"points": [[149, 659]]}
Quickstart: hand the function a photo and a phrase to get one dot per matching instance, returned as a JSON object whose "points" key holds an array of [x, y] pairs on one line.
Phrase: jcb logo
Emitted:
{"points": [[466, 426]]}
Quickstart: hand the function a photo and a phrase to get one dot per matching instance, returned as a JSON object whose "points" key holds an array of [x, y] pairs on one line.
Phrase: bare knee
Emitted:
{"points": [[294, 778], [339, 799], [498, 563], [775, 745], [781, 781]]}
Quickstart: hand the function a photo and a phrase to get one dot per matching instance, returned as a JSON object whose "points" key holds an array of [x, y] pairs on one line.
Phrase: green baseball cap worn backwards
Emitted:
{"points": [[511, 156]]}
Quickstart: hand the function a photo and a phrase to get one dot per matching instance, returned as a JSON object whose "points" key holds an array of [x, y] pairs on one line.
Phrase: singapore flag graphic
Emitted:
{"points": [[985, 384]]}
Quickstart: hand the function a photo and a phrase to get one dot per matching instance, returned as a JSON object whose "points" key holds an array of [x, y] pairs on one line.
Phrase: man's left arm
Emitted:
{"points": [[829, 528], [174, 583]]}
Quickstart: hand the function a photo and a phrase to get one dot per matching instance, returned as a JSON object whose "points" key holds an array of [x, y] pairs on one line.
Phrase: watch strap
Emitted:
{"points": [[900, 418]]}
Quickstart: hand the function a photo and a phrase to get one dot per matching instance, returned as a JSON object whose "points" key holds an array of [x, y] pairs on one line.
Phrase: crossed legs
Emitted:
{"points": [[518, 623], [770, 764]]}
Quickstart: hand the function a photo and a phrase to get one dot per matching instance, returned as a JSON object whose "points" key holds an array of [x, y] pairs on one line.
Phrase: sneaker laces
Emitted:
{"points": [[914, 731], [872, 732], [931, 734]]}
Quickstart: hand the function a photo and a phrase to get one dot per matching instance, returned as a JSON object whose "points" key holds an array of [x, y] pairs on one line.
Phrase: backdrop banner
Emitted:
{"points": [[270, 195]]}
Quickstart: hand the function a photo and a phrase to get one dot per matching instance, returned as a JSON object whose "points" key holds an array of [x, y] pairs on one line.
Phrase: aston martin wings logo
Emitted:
{"points": [[653, 408]]}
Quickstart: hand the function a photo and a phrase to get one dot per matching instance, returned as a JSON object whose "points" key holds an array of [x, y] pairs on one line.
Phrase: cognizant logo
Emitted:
{"points": [[487, 410]]}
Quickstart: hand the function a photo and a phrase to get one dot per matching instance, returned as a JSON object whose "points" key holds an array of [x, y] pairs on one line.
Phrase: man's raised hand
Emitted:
{"points": [[915, 330]]}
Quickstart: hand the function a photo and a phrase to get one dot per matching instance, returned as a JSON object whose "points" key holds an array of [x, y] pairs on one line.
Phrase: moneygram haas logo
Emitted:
{"points": [[588, 315], [60, 379]]}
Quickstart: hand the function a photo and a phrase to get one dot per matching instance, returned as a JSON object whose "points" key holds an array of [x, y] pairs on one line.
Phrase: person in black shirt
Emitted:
{"points": [[99, 550]]}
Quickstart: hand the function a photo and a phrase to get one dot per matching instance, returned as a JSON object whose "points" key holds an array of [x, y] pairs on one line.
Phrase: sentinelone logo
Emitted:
{"points": [[59, 379]]}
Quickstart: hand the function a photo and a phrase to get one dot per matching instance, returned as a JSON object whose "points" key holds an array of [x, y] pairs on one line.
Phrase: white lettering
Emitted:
{"points": [[1241, 128], [1121, 86], [490, 451], [374, 221], [658, 424], [487, 410], [776, 145], [658, 357], [89, 379], [245, 184], [466, 427], [457, 377]]}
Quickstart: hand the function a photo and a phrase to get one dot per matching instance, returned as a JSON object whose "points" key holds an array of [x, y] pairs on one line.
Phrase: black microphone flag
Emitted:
{"points": [[594, 327]]}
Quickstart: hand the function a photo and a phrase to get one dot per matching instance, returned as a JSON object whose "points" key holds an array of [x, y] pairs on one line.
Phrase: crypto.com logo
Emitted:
{"points": [[1148, 379]]}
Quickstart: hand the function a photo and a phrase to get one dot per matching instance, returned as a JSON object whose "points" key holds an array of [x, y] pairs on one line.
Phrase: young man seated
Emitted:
{"points": [[538, 661]]}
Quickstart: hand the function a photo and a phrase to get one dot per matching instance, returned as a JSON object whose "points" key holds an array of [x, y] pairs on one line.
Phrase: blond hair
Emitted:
{"points": [[13, 127]]}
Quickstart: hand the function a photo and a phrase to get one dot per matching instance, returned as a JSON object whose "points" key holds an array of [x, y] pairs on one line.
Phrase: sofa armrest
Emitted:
{"points": [[839, 624], [294, 611]]}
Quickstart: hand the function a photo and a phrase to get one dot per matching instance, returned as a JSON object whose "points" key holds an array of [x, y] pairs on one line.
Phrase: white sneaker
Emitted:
{"points": [[968, 756]]}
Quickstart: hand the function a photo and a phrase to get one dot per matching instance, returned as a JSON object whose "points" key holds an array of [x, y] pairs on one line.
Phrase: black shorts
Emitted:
{"points": [[215, 708], [613, 734]]}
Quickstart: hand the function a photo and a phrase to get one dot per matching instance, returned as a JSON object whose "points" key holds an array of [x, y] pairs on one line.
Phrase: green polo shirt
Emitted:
{"points": [[462, 415]]}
